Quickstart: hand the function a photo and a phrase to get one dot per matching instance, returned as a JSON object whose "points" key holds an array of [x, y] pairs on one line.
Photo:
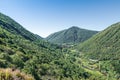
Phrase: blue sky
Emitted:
{"points": [[44, 17]]}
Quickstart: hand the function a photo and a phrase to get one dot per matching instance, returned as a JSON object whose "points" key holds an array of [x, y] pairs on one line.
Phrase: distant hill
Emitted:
{"points": [[12, 26], [71, 35], [105, 45]]}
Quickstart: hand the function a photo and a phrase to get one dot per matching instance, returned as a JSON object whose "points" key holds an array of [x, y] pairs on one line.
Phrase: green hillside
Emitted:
{"points": [[70, 36], [104, 50], [19, 49], [12, 26], [104, 45]]}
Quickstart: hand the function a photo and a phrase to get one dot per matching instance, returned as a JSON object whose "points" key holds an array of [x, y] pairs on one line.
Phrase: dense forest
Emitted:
{"points": [[31, 54]]}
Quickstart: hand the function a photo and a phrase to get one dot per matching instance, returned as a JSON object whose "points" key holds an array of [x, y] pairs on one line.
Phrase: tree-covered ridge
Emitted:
{"points": [[71, 36], [12, 26], [104, 45]]}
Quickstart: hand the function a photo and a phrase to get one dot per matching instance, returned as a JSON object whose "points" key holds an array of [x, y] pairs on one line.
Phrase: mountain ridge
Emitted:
{"points": [[73, 34], [12, 26]]}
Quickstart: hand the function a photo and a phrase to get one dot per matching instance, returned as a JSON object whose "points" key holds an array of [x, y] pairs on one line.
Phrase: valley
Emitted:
{"points": [[71, 54]]}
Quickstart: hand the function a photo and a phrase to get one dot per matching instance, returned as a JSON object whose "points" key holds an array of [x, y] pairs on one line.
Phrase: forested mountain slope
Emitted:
{"points": [[12, 26], [104, 45], [104, 49], [71, 35]]}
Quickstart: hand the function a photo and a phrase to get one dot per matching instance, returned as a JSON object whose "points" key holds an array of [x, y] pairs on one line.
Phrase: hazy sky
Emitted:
{"points": [[44, 17]]}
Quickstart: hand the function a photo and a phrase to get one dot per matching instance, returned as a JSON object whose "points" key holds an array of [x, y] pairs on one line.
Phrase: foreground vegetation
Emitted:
{"points": [[11, 74]]}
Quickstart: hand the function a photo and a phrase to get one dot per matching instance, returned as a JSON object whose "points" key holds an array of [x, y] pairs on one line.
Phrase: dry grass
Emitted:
{"points": [[10, 74]]}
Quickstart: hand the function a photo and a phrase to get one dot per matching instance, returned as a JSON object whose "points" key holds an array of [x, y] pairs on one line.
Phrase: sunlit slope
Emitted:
{"points": [[104, 45]]}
